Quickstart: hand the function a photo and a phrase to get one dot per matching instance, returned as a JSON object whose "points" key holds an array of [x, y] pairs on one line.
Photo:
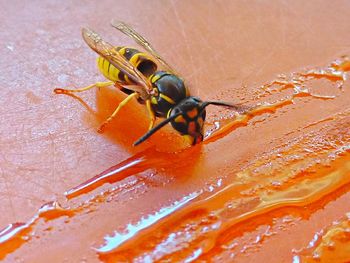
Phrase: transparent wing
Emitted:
{"points": [[106, 50], [129, 31]]}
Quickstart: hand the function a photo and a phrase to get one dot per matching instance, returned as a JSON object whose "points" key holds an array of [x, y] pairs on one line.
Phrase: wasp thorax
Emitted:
{"points": [[190, 120], [168, 91]]}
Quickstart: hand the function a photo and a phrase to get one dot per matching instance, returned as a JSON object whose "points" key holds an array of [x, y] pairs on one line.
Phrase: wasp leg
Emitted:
{"points": [[121, 105], [97, 85], [151, 114]]}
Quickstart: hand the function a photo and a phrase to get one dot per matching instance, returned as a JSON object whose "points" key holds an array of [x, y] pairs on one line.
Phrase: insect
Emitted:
{"points": [[135, 73]]}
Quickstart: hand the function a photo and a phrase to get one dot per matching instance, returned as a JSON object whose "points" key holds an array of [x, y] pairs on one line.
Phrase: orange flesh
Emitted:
{"points": [[272, 175]]}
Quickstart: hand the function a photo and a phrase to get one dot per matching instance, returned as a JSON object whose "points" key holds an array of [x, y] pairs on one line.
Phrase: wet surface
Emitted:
{"points": [[329, 245], [273, 174]]}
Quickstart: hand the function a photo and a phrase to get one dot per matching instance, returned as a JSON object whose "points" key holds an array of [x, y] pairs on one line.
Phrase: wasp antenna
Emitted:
{"points": [[155, 129], [219, 103]]}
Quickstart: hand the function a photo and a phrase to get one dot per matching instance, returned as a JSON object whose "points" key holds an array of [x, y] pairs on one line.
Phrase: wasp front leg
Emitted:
{"points": [[121, 105], [151, 114], [97, 85]]}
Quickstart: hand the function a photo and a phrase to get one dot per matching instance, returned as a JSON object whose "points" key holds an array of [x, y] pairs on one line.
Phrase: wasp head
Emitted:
{"points": [[187, 117], [189, 121]]}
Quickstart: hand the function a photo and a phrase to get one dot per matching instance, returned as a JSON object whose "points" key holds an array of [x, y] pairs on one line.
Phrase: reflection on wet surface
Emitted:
{"points": [[329, 245], [312, 164]]}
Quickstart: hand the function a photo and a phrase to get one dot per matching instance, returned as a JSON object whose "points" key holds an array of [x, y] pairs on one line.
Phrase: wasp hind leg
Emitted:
{"points": [[97, 85], [151, 114], [121, 105]]}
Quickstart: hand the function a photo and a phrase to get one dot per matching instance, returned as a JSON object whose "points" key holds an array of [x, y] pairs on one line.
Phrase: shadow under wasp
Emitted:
{"points": [[135, 73]]}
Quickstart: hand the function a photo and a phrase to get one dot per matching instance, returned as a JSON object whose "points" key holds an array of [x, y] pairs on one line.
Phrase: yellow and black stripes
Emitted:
{"points": [[169, 95], [163, 93], [108, 70], [142, 61]]}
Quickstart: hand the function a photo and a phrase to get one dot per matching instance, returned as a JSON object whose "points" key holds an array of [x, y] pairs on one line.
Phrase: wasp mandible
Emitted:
{"points": [[135, 73]]}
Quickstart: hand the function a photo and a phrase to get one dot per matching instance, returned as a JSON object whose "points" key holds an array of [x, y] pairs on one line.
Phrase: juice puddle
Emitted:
{"points": [[297, 176], [290, 178], [298, 81], [150, 158], [201, 225], [329, 245], [15, 235]]}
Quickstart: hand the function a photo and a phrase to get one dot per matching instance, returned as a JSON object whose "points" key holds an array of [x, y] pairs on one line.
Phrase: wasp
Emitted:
{"points": [[135, 73]]}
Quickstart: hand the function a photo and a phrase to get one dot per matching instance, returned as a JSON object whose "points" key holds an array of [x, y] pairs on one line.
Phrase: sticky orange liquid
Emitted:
{"points": [[16, 234], [312, 167], [330, 245]]}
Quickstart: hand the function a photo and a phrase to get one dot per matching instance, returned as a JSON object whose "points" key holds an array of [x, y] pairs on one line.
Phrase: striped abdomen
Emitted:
{"points": [[143, 62]]}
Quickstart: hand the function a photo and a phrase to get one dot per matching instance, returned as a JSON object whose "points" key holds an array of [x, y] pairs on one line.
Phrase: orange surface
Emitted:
{"points": [[261, 186], [329, 245]]}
